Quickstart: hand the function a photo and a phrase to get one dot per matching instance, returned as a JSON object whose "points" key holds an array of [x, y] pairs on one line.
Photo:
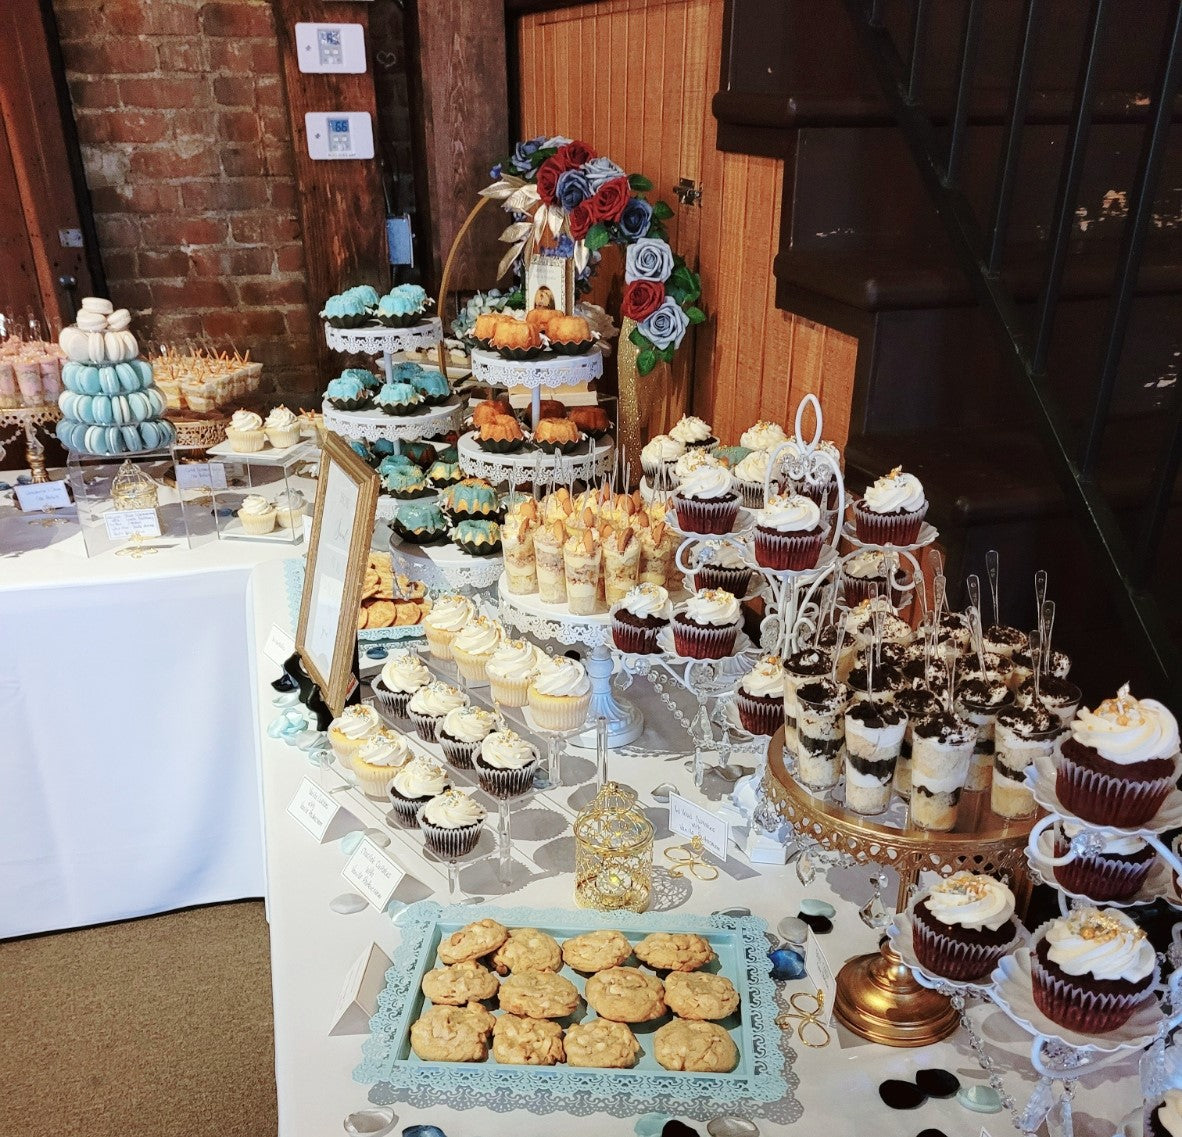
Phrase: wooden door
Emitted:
{"points": [[634, 78]]}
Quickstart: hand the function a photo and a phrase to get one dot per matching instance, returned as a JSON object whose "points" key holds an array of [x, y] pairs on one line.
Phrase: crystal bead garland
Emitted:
{"points": [[613, 852]]}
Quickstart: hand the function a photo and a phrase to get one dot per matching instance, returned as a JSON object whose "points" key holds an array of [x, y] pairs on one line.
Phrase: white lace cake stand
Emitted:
{"points": [[589, 463], [445, 566], [370, 426], [533, 616], [388, 505], [373, 339], [1040, 852], [534, 374]]}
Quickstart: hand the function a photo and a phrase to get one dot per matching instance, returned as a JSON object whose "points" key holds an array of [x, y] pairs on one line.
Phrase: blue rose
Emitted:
{"points": [[565, 247], [666, 325], [648, 258], [522, 153], [554, 143], [635, 219], [572, 189], [600, 170], [495, 172]]}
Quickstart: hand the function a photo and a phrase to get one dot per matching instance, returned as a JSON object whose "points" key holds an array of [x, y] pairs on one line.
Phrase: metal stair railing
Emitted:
{"points": [[980, 243]]}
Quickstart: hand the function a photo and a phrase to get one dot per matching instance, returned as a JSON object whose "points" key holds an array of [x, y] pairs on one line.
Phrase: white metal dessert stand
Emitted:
{"points": [[547, 370], [371, 425], [384, 342], [594, 459]]}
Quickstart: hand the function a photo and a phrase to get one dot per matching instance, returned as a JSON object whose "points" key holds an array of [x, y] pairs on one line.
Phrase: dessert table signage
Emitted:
{"points": [[373, 874], [195, 475], [342, 526], [43, 495], [816, 966], [689, 819], [359, 992], [313, 808], [123, 524], [279, 646]]}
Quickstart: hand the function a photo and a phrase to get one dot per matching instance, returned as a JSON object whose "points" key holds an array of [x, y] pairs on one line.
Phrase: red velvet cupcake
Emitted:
{"points": [[707, 625], [1117, 871], [891, 511], [788, 533], [1119, 763], [706, 500], [760, 697], [638, 619], [723, 567], [1091, 969], [963, 926]]}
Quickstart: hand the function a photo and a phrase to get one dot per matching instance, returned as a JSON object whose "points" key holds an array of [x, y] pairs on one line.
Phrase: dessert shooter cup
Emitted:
{"points": [[582, 570], [517, 545], [914, 704], [939, 766], [872, 740], [551, 568], [803, 666], [1013, 752], [621, 570], [984, 719], [820, 733]]}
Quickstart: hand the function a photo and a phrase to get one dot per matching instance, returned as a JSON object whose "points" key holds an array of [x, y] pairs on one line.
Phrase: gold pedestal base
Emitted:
{"points": [[879, 999]]}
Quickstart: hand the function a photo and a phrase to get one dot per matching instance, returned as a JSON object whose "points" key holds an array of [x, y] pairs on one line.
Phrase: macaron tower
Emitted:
{"points": [[110, 404]]}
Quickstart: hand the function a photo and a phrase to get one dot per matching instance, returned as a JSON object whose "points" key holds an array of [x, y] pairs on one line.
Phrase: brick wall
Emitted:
{"points": [[184, 134]]}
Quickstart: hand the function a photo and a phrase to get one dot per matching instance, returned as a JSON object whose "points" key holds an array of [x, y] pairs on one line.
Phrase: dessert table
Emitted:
{"points": [[314, 947], [128, 774]]}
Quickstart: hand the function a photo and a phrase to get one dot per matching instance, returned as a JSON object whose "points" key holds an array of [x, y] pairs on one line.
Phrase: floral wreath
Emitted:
{"points": [[562, 188]]}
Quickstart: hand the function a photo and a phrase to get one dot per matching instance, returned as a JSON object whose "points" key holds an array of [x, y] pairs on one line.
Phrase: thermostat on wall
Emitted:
{"points": [[339, 134], [336, 48]]}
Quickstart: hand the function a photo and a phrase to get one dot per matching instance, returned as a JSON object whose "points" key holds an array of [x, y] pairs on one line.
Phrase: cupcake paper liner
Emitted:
{"points": [[509, 692], [694, 516], [257, 524], [887, 528], [634, 640], [1075, 1007], [1101, 878], [374, 785], [736, 581], [389, 702], [281, 437], [757, 716], [704, 642], [405, 811], [559, 712], [794, 551], [246, 441], [459, 754], [954, 959], [426, 725], [450, 843], [752, 494], [474, 668], [1103, 799], [439, 641], [506, 783]]}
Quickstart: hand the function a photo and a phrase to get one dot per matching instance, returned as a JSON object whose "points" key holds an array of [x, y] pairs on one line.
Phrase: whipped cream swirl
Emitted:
{"points": [[970, 900], [662, 448], [1101, 942], [468, 724], [404, 671], [765, 678], [280, 418], [384, 748], [245, 420], [693, 460], [712, 606], [256, 505], [513, 660], [690, 430], [764, 435], [723, 554], [480, 636], [562, 676], [648, 600], [421, 777], [507, 750], [436, 699], [355, 722], [753, 468], [789, 513], [453, 810], [450, 613], [894, 493], [1126, 730]]}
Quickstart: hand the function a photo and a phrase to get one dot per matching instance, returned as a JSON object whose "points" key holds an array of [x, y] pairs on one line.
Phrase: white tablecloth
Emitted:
{"points": [[128, 772], [312, 949]]}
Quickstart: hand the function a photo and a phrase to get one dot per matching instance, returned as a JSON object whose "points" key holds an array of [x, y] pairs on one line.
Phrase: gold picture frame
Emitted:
{"points": [[334, 575]]}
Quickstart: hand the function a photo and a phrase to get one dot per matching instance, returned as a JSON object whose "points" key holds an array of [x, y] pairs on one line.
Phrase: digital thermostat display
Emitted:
{"points": [[328, 40], [339, 135], [328, 48]]}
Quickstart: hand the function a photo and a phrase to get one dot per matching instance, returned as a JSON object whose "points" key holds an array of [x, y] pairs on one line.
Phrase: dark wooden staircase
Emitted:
{"points": [[863, 249]]}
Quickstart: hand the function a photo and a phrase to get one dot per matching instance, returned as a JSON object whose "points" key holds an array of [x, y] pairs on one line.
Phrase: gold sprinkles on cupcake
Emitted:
{"points": [[1102, 927]]}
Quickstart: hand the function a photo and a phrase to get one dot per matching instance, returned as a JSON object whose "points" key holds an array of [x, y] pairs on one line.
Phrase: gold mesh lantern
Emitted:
{"points": [[132, 488], [613, 852]]}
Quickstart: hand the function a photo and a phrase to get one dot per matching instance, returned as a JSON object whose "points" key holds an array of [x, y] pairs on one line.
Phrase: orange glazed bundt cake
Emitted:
{"points": [[500, 434], [556, 432], [516, 335], [490, 409], [591, 420], [551, 408], [568, 329]]}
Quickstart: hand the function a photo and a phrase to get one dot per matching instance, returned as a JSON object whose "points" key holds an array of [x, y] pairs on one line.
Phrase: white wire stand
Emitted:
{"points": [[445, 567], [372, 425], [592, 460], [546, 370], [384, 342]]}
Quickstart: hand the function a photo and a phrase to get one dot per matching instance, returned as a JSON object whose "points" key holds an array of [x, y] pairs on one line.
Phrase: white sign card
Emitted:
{"points": [[818, 970], [313, 809], [195, 475], [332, 563], [358, 1000], [279, 645], [123, 524], [40, 496], [689, 819], [373, 874]]}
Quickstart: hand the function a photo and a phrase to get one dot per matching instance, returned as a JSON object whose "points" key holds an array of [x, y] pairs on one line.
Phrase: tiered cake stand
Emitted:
{"points": [[384, 342], [591, 461], [547, 370]]}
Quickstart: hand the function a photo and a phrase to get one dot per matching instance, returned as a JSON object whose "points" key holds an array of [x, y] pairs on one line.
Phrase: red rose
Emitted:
{"points": [[609, 202], [548, 174], [581, 218], [641, 299], [573, 155]]}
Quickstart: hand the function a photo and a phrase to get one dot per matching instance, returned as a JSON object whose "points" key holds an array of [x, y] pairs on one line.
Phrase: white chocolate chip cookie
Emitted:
{"points": [[596, 951], [626, 995], [521, 1041], [674, 951], [698, 1046], [601, 1043], [473, 941], [700, 995], [527, 949], [452, 1034], [459, 984], [539, 995]]}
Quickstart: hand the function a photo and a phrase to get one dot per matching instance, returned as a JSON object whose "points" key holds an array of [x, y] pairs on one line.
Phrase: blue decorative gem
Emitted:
{"points": [[786, 963], [376, 652], [980, 1099], [423, 1131], [350, 841]]}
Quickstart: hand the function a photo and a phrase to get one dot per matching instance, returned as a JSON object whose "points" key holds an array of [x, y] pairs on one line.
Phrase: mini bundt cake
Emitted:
{"points": [[486, 325], [516, 335], [500, 435], [568, 329], [591, 420], [490, 409], [557, 434], [551, 408]]}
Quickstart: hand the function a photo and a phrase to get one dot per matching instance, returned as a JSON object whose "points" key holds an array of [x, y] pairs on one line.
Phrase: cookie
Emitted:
{"points": [[674, 951], [601, 1043], [700, 995], [473, 941], [381, 614], [527, 949], [538, 995], [519, 1041], [452, 1034], [460, 984], [596, 951], [626, 995], [698, 1046]]}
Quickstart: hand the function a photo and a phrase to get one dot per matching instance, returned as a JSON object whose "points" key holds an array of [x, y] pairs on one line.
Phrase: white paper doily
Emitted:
{"points": [[1157, 883], [545, 371], [900, 932], [533, 616], [593, 462], [444, 566], [927, 534], [375, 340], [735, 661], [373, 425], [1013, 991], [1040, 777]]}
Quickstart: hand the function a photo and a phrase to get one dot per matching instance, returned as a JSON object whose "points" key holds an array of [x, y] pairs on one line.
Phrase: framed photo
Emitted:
{"points": [[550, 283], [338, 551]]}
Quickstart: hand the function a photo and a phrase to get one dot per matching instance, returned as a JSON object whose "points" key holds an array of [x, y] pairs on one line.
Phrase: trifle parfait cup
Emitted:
{"points": [[914, 704], [873, 735], [941, 752], [978, 701], [1021, 735], [820, 733]]}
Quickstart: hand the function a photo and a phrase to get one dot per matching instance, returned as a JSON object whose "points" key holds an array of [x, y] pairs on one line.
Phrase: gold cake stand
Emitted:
{"points": [[877, 996]]}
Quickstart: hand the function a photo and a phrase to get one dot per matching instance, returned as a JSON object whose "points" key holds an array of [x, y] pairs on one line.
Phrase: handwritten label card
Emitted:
{"points": [[195, 475], [818, 970], [123, 524], [279, 646], [373, 874], [692, 820], [313, 809], [358, 1001], [40, 496]]}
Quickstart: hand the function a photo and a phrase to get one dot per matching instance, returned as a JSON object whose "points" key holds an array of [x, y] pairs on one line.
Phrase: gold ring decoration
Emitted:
{"points": [[690, 862], [807, 1009]]}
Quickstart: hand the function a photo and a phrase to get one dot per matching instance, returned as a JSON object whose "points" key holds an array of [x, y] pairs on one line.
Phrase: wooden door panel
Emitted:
{"points": [[18, 274]]}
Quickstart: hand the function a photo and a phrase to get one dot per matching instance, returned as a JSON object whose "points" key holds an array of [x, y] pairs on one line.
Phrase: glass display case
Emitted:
{"points": [[262, 496]]}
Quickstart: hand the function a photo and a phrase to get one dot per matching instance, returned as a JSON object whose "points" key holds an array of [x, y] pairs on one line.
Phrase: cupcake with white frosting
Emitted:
{"points": [[349, 730], [282, 427], [867, 574], [1091, 969], [378, 759], [451, 824], [788, 533], [963, 926], [763, 435], [559, 694], [640, 617], [722, 565], [414, 784], [760, 697], [289, 509], [510, 669], [505, 764], [402, 675], [891, 511], [462, 731], [657, 459], [693, 431], [1114, 871], [474, 645], [707, 625], [448, 615], [1119, 762], [245, 433], [429, 705], [751, 478], [257, 515], [706, 500]]}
